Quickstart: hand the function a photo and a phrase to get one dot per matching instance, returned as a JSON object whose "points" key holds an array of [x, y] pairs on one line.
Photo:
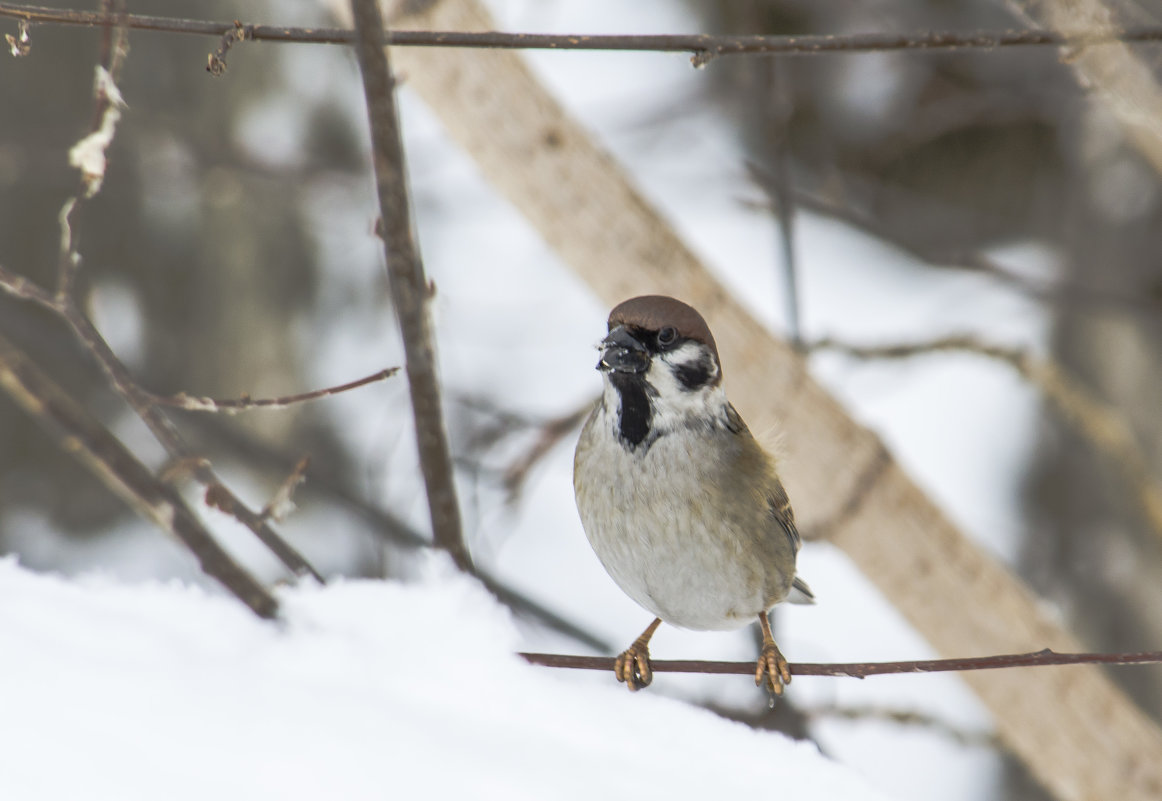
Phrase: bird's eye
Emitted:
{"points": [[667, 335]]}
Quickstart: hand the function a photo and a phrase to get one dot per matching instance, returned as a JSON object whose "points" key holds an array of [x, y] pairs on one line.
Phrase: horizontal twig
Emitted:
{"points": [[703, 46], [860, 670], [191, 403]]}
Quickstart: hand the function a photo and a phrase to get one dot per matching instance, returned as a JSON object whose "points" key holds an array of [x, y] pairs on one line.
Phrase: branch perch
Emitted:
{"points": [[859, 670]]}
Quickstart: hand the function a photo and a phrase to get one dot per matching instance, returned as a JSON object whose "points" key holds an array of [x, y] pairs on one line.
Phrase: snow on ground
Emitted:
{"points": [[366, 690]]}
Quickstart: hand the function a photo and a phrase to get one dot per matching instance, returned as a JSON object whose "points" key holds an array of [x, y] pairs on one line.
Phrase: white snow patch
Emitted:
{"points": [[88, 155], [366, 690]]}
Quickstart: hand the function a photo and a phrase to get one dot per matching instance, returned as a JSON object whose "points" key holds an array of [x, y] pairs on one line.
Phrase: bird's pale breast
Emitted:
{"points": [[659, 522]]}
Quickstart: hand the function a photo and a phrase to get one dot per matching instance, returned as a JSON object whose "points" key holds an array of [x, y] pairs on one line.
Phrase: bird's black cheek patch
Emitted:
{"points": [[694, 375], [634, 420]]}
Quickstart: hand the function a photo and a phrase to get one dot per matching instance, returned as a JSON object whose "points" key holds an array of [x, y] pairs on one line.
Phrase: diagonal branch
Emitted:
{"points": [[78, 433], [409, 290], [218, 494]]}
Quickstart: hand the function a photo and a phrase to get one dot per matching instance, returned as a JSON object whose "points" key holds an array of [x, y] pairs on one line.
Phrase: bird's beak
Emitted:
{"points": [[621, 353]]}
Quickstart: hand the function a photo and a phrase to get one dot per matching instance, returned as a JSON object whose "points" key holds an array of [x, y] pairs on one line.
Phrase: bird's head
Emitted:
{"points": [[660, 358]]}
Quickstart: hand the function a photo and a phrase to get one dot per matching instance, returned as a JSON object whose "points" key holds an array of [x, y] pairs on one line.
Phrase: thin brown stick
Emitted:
{"points": [[1096, 422], [409, 289], [246, 403], [79, 434], [703, 47], [859, 670]]}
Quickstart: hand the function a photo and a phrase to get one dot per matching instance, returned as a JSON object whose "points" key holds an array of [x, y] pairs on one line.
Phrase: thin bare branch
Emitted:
{"points": [[704, 47], [65, 304], [1096, 421], [79, 434], [409, 289], [860, 670], [245, 403], [218, 495]]}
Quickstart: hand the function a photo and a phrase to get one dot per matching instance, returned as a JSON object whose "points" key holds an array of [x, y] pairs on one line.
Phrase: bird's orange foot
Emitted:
{"points": [[772, 670], [633, 666]]}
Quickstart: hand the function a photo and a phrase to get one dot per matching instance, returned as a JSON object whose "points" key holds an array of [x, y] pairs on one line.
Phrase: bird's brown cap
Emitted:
{"points": [[655, 312]]}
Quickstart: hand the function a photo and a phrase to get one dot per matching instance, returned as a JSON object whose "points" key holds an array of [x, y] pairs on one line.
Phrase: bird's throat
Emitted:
{"points": [[634, 410]]}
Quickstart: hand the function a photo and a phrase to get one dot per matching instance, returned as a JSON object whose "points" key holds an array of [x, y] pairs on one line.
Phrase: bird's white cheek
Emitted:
{"points": [[674, 405]]}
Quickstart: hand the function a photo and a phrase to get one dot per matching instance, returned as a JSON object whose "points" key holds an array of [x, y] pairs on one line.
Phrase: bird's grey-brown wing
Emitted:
{"points": [[778, 504], [782, 515], [784, 518]]}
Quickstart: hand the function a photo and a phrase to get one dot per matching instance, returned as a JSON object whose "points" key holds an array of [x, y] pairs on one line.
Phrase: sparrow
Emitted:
{"points": [[682, 506]]}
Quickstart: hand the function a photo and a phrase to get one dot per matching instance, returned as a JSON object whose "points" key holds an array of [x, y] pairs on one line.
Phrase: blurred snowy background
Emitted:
{"points": [[231, 251]]}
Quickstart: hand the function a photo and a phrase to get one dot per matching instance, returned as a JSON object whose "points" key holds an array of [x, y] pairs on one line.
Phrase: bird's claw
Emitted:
{"points": [[633, 667], [772, 670]]}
